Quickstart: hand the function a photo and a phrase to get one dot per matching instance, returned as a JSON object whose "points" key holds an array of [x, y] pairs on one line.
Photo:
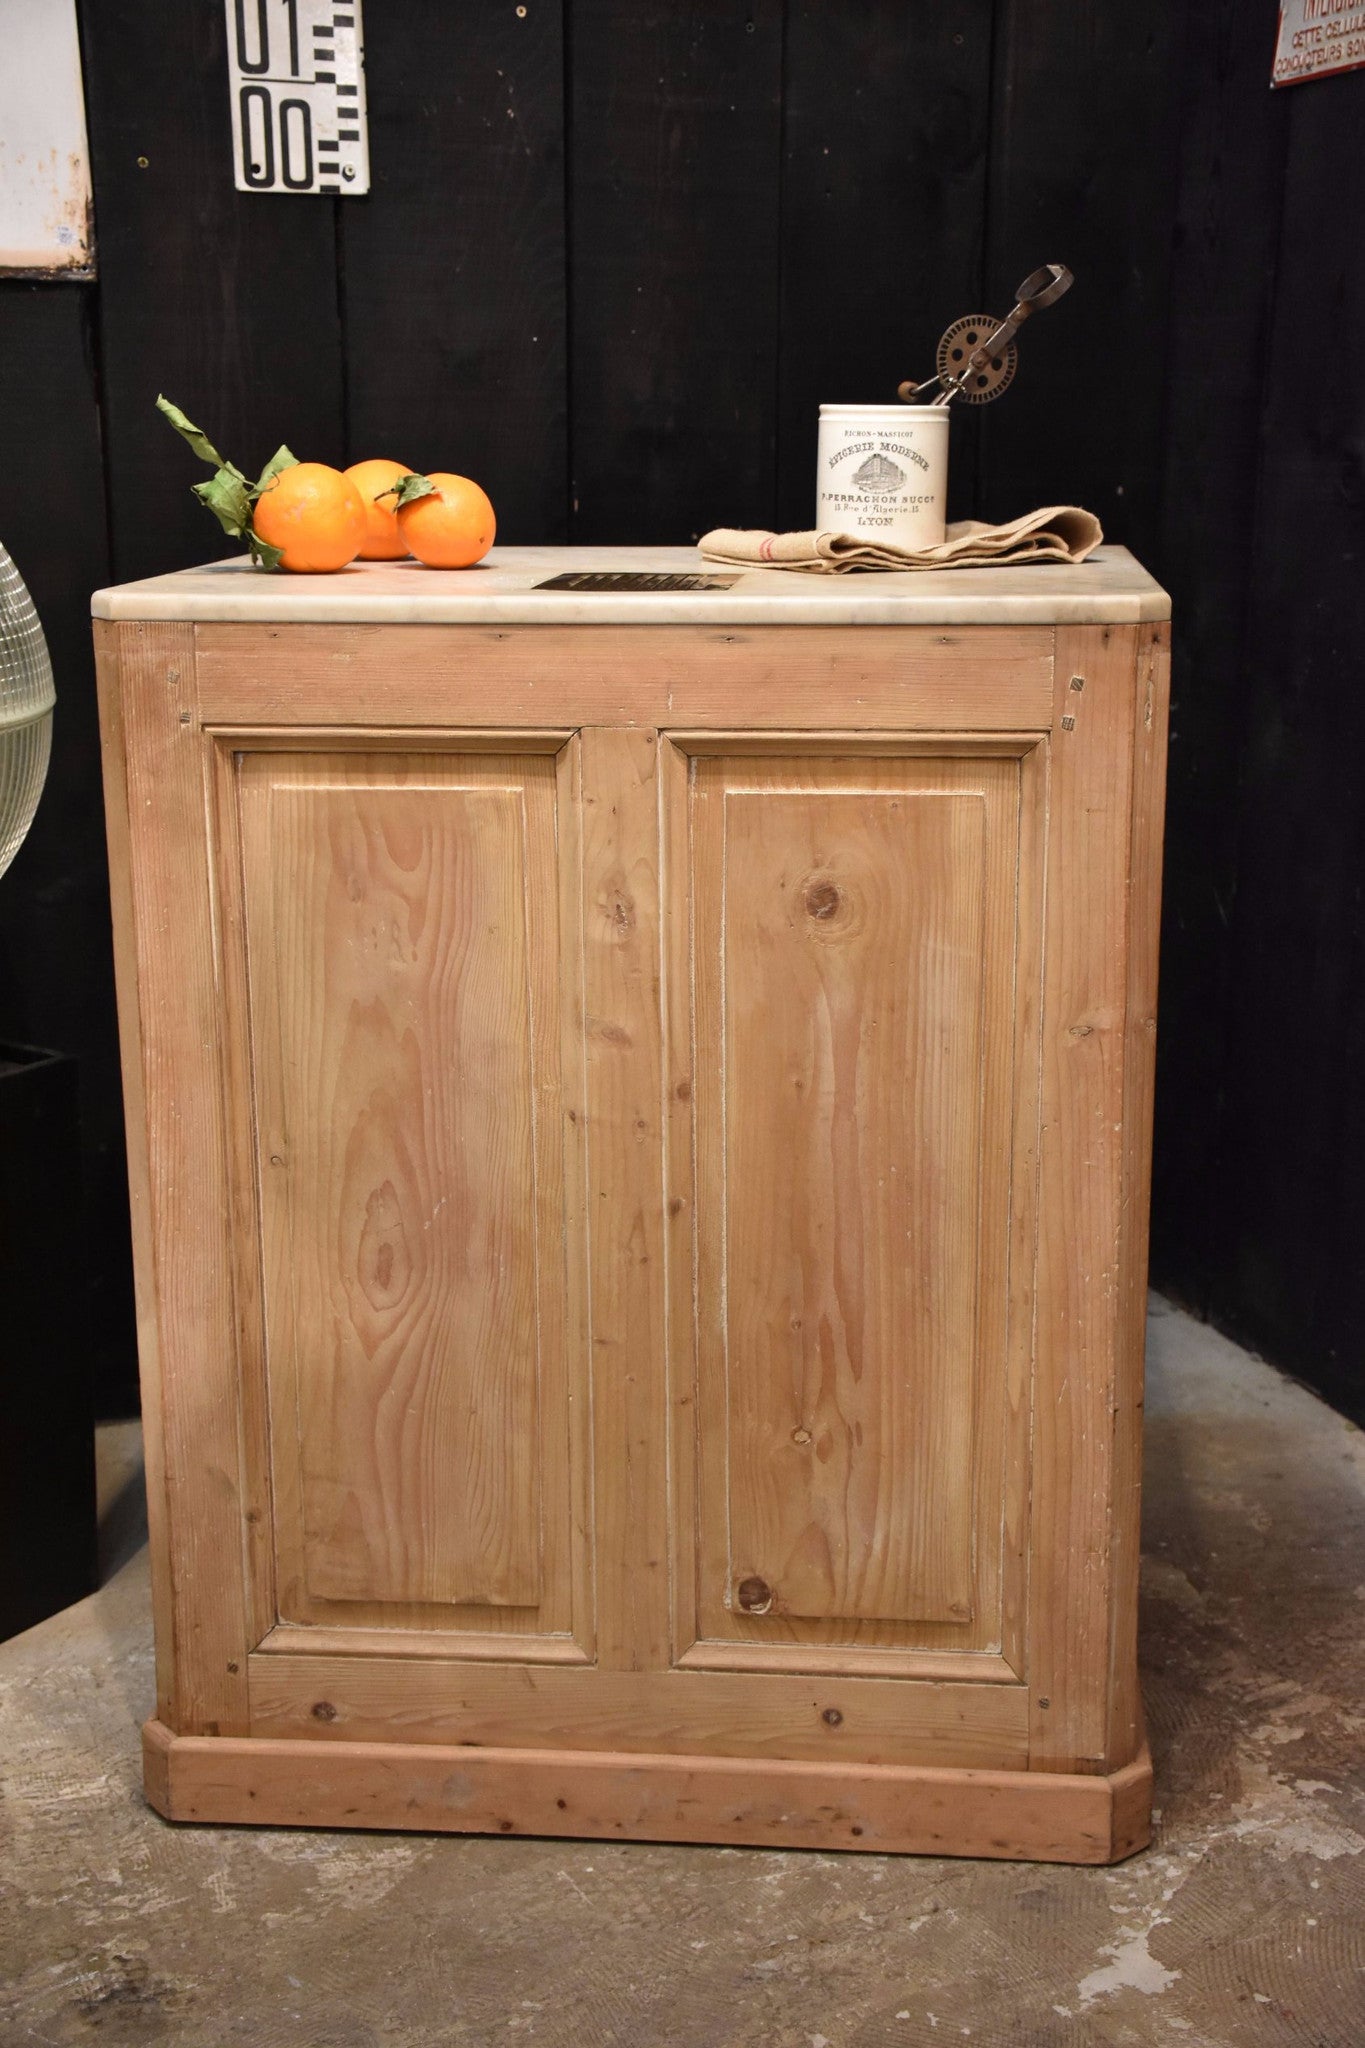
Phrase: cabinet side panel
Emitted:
{"points": [[1082, 1504], [118, 825], [1144, 935], [391, 971], [171, 1026]]}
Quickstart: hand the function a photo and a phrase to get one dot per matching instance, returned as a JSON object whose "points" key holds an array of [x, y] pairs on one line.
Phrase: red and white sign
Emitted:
{"points": [[1318, 37]]}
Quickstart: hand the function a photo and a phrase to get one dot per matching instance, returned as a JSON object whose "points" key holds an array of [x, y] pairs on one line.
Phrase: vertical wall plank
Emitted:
{"points": [[1082, 146], [56, 965], [1291, 1275], [673, 280], [453, 287], [1226, 244], [885, 116], [224, 300]]}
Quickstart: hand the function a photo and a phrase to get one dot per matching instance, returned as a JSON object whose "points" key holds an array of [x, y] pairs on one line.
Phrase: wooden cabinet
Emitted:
{"points": [[639, 1114]]}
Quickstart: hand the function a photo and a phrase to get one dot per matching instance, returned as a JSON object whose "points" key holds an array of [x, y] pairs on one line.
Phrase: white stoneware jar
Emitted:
{"points": [[882, 473]]}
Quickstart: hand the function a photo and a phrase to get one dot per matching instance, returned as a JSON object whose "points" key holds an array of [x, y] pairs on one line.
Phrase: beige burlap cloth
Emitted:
{"points": [[1059, 533]]}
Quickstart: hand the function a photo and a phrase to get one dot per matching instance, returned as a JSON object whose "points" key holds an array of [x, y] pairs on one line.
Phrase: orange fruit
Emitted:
{"points": [[382, 542], [315, 514], [451, 529]]}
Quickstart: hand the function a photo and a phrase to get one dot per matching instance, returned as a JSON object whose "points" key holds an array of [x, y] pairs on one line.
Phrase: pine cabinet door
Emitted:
{"points": [[396, 924], [856, 960]]}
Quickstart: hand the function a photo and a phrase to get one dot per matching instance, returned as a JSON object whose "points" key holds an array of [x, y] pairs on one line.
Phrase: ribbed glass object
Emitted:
{"points": [[26, 701]]}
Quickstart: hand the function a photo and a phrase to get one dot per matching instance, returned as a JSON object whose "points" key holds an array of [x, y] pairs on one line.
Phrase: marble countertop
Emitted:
{"points": [[1109, 589]]}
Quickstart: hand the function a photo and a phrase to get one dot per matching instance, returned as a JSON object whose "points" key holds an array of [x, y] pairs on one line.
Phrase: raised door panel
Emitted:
{"points": [[402, 929], [859, 1077]]}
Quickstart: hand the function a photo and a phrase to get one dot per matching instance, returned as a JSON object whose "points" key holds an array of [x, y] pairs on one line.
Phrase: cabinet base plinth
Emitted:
{"points": [[1027, 1816]]}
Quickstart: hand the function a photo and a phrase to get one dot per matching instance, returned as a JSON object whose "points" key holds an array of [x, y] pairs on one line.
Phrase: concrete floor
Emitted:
{"points": [[1245, 1924]]}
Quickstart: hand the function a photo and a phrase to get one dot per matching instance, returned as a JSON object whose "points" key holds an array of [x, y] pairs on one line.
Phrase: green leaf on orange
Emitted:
{"points": [[283, 458], [262, 553], [196, 437], [410, 487], [228, 498]]}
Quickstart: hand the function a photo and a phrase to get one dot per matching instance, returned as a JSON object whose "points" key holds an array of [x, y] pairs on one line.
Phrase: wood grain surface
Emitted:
{"points": [[1088, 1345], [679, 1205], [674, 116], [840, 972], [622, 1070], [1084, 104], [1288, 1182], [1050, 1818], [451, 274], [403, 950], [166, 955], [1224, 256], [920, 81], [336, 1694], [908, 678], [859, 993], [1151, 711], [226, 302]]}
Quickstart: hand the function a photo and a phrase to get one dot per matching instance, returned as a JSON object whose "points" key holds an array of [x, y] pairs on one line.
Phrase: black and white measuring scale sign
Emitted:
{"points": [[298, 96]]}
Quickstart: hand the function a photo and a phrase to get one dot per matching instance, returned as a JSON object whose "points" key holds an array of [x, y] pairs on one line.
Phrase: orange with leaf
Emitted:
{"points": [[446, 520], [314, 516], [377, 482], [297, 515], [308, 517]]}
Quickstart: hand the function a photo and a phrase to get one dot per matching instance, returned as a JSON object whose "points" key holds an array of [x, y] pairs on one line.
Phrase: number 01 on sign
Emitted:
{"points": [[298, 96]]}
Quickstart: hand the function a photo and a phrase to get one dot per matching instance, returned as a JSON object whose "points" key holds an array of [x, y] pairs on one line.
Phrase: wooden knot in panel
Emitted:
{"points": [[829, 908]]}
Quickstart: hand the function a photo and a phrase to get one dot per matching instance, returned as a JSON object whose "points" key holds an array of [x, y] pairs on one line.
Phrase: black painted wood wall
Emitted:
{"points": [[614, 257]]}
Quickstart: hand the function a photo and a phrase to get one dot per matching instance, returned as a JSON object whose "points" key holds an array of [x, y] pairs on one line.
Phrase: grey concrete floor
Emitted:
{"points": [[1244, 1924]]}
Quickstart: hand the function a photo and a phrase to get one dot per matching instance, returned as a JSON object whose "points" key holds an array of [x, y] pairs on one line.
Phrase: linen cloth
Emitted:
{"points": [[1057, 533]]}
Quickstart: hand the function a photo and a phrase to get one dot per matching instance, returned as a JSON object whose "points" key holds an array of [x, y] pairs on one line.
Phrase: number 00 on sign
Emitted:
{"points": [[298, 96]]}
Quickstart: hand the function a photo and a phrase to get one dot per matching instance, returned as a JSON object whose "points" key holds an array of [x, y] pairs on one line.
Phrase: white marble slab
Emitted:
{"points": [[1109, 589]]}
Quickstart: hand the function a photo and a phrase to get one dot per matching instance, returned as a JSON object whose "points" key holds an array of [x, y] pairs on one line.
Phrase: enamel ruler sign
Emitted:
{"points": [[1318, 37], [298, 96]]}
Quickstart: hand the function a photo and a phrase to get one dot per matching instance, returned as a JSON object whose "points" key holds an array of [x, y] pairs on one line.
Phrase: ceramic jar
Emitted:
{"points": [[882, 473]]}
